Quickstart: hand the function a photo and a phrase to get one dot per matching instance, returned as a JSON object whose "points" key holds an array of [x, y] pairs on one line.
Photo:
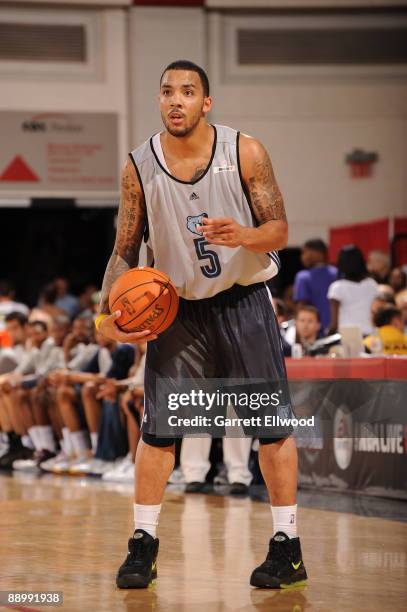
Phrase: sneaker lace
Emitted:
{"points": [[136, 552], [277, 551]]}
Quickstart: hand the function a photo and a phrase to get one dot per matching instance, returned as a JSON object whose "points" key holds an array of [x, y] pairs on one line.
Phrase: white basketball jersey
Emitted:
{"points": [[175, 208]]}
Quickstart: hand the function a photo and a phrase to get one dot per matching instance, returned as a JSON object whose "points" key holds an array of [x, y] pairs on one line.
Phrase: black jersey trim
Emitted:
{"points": [[147, 227], [174, 178], [275, 257], [244, 188]]}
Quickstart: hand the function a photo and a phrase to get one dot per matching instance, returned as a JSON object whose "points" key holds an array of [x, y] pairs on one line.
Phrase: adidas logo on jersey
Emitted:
{"points": [[194, 196]]}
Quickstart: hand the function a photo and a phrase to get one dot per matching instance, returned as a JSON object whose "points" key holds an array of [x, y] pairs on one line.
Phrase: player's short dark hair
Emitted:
{"points": [[188, 65], [385, 315], [316, 244], [308, 308], [38, 324], [16, 316]]}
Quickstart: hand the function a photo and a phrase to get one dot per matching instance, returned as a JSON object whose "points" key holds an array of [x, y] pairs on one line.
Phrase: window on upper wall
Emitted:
{"points": [[56, 44], [322, 44]]}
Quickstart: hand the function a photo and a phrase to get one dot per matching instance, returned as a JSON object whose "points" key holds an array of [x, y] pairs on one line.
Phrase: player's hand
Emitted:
{"points": [[223, 231], [110, 329]]}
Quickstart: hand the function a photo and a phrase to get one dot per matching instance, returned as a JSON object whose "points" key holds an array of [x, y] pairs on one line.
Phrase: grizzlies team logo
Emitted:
{"points": [[192, 222]]}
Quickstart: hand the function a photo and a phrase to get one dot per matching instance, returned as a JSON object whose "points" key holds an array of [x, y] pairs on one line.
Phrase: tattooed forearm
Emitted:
{"points": [[265, 194], [130, 228], [114, 269]]}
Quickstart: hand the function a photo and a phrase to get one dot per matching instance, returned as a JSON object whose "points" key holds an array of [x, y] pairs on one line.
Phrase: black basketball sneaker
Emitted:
{"points": [[140, 566], [283, 567]]}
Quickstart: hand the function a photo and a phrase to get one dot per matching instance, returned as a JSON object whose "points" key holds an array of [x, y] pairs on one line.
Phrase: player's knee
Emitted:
{"points": [[265, 441], [153, 440]]}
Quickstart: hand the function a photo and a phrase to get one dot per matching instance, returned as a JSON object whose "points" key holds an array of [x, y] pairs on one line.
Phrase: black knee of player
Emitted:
{"points": [[153, 440], [263, 441]]}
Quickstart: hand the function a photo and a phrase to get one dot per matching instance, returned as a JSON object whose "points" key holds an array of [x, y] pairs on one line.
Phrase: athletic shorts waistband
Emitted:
{"points": [[233, 291]]}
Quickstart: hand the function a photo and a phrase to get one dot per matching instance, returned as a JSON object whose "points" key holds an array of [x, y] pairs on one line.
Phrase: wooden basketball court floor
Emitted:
{"points": [[61, 533]]}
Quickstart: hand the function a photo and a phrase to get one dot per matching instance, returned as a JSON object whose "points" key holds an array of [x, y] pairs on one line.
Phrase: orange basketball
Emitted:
{"points": [[139, 295]]}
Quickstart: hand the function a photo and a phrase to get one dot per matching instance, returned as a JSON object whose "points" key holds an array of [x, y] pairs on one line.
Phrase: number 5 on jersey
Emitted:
{"points": [[212, 268]]}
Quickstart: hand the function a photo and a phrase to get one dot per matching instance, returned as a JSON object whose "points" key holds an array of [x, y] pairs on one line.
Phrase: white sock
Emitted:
{"points": [[35, 436], [146, 517], [27, 442], [47, 438], [79, 440], [285, 520], [66, 443], [94, 440]]}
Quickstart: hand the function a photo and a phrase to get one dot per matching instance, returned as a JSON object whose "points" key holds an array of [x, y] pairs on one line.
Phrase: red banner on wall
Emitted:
{"points": [[368, 236]]}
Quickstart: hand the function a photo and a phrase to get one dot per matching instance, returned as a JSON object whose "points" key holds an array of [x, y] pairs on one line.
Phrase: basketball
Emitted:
{"points": [[140, 294]]}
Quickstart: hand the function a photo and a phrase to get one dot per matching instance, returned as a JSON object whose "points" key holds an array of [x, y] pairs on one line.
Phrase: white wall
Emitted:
{"points": [[309, 124], [103, 88], [159, 36]]}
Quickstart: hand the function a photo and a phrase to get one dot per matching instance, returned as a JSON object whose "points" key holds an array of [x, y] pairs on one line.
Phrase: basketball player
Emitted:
{"points": [[215, 218]]}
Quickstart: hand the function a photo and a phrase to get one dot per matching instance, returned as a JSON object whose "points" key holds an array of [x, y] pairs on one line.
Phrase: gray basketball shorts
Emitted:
{"points": [[232, 335]]}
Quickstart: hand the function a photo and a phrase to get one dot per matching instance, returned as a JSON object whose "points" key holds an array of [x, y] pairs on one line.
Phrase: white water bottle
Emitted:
{"points": [[376, 344]]}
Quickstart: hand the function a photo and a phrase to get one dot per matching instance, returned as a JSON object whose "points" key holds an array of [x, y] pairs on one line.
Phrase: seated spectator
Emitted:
{"points": [[7, 303], [79, 345], [281, 315], [381, 301], [60, 328], [87, 299], [131, 403], [46, 310], [401, 301], [311, 285], [16, 327], [81, 411], [389, 322], [351, 296], [20, 391], [378, 266], [385, 290], [398, 280], [64, 300], [307, 327]]}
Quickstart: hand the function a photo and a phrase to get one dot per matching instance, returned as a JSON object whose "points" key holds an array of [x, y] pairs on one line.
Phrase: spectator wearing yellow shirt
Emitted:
{"points": [[389, 322]]}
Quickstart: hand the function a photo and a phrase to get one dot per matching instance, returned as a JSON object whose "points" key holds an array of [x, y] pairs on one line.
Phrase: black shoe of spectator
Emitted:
{"points": [[19, 452], [194, 487], [43, 455], [238, 488]]}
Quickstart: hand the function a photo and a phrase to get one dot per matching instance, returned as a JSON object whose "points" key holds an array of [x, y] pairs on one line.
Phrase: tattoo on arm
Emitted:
{"points": [[130, 228], [265, 194]]}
